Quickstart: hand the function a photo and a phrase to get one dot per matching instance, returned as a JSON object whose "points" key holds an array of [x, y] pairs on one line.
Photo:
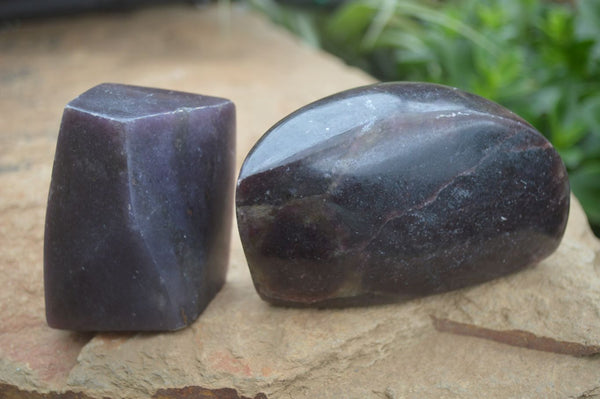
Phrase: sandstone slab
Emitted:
{"points": [[240, 342]]}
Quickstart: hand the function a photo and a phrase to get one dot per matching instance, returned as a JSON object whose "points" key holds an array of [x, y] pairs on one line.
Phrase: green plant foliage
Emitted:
{"points": [[539, 58]]}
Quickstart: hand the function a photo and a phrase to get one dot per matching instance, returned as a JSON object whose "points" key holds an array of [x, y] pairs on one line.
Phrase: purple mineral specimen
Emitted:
{"points": [[395, 191], [138, 219]]}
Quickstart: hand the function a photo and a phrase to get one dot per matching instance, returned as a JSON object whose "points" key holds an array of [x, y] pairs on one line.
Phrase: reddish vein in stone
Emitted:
{"points": [[519, 338]]}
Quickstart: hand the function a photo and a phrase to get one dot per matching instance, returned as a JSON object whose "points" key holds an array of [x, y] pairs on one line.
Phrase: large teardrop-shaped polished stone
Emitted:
{"points": [[397, 190], [139, 211]]}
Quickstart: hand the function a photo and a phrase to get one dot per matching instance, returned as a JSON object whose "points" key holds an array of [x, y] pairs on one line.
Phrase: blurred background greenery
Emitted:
{"points": [[539, 58]]}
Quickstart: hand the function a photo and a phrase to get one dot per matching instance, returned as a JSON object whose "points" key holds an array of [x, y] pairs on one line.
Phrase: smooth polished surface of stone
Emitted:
{"points": [[138, 218], [394, 191]]}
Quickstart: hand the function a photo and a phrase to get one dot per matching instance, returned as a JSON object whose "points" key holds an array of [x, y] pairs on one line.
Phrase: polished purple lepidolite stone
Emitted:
{"points": [[394, 191], [139, 211]]}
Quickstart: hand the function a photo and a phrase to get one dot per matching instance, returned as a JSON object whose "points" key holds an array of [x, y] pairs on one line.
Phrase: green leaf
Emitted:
{"points": [[306, 29], [585, 183], [382, 18], [440, 18], [558, 24], [591, 147], [590, 113], [572, 157], [588, 15], [350, 22], [546, 100]]}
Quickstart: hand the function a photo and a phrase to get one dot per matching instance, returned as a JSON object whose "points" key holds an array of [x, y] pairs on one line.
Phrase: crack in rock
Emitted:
{"points": [[518, 338]]}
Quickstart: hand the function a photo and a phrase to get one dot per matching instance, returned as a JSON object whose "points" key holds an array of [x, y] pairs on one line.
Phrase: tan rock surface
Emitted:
{"points": [[240, 342]]}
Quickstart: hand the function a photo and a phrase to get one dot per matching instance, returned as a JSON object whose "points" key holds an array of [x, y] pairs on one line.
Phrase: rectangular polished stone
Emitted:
{"points": [[139, 210]]}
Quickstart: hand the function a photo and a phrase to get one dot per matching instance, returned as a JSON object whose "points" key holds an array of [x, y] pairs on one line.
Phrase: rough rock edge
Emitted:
{"points": [[191, 392]]}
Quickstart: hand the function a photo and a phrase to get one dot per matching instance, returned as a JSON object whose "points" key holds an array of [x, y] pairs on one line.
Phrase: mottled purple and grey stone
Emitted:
{"points": [[139, 211], [394, 191]]}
